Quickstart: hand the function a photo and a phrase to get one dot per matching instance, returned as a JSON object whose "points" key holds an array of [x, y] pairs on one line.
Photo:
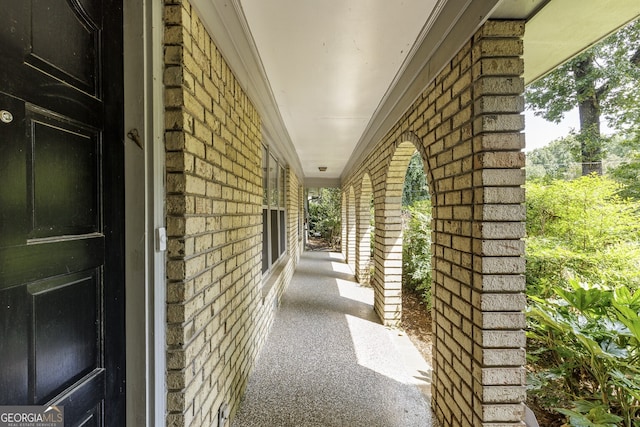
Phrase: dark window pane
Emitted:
{"points": [[265, 241], [281, 185], [274, 235], [265, 177], [273, 181], [283, 233]]}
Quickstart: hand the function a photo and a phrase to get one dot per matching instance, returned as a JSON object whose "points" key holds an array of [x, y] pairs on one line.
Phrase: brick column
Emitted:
{"points": [[387, 280], [474, 145], [363, 237], [498, 299], [343, 225], [351, 230]]}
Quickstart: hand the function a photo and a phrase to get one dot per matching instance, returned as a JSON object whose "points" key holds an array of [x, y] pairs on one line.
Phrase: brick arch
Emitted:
{"points": [[387, 278], [363, 238]]}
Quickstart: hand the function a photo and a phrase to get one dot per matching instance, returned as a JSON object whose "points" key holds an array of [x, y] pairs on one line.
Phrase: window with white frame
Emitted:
{"points": [[273, 209]]}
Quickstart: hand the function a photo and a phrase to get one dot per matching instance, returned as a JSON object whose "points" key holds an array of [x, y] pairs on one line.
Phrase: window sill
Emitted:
{"points": [[273, 276]]}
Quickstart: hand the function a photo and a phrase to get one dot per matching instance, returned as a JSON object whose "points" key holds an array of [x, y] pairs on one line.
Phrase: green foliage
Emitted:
{"points": [[584, 342], [625, 154], [581, 229], [619, 65], [325, 214], [587, 213], [583, 244], [415, 185], [560, 159], [416, 250], [416, 247], [583, 282], [557, 160], [372, 228], [591, 414]]}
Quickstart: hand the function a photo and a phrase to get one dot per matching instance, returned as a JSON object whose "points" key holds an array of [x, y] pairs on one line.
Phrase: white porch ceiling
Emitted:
{"points": [[330, 77], [329, 64]]}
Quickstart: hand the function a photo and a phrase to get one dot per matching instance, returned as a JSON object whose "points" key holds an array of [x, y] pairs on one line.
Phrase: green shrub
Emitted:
{"points": [[581, 230], [583, 276], [325, 215], [416, 250], [584, 345]]}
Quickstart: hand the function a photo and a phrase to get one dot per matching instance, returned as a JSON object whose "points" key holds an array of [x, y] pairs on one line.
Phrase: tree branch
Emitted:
{"points": [[602, 90], [635, 58]]}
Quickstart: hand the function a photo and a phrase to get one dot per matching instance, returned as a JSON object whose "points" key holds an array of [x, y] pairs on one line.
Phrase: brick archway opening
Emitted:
{"points": [[387, 277]]}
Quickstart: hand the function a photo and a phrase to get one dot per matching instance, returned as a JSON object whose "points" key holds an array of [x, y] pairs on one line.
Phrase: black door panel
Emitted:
{"points": [[14, 347], [63, 176], [61, 208], [22, 264], [77, 62]]}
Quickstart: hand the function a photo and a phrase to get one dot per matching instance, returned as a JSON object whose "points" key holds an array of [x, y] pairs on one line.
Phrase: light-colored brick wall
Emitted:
{"points": [[295, 215], [219, 307], [467, 127]]}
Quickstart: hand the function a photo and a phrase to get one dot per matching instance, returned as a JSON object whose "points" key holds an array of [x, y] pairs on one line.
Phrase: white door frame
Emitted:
{"points": [[144, 212]]}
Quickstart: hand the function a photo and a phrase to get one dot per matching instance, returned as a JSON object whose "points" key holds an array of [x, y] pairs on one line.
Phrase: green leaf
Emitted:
{"points": [[623, 296], [585, 298], [611, 349], [629, 318], [590, 414]]}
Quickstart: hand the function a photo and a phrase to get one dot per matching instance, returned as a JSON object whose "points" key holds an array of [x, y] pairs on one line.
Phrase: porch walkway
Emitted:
{"points": [[329, 362]]}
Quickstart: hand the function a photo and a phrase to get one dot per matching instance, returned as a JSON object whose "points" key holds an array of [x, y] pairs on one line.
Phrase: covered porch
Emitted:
{"points": [[155, 158], [239, 153]]}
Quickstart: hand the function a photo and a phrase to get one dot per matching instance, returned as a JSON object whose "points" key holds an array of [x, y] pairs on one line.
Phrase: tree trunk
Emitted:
{"points": [[589, 109]]}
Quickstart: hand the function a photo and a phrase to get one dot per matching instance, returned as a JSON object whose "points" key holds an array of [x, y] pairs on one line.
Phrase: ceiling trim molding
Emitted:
{"points": [[452, 24], [227, 25]]}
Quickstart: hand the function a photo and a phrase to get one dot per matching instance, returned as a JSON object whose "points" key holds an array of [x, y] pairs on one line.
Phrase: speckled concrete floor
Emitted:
{"points": [[329, 362]]}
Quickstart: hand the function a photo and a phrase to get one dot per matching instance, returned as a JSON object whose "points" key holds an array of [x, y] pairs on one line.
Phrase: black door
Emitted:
{"points": [[61, 208]]}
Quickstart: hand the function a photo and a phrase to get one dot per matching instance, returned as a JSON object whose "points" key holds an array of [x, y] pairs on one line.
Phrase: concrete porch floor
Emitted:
{"points": [[328, 361]]}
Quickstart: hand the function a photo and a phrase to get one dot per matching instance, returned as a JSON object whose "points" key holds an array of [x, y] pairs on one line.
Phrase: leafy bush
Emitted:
{"points": [[416, 250], [585, 346], [557, 160], [325, 215], [581, 229], [583, 276], [415, 187], [625, 153]]}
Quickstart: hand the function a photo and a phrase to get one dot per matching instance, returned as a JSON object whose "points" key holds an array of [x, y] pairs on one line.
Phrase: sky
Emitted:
{"points": [[540, 132]]}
